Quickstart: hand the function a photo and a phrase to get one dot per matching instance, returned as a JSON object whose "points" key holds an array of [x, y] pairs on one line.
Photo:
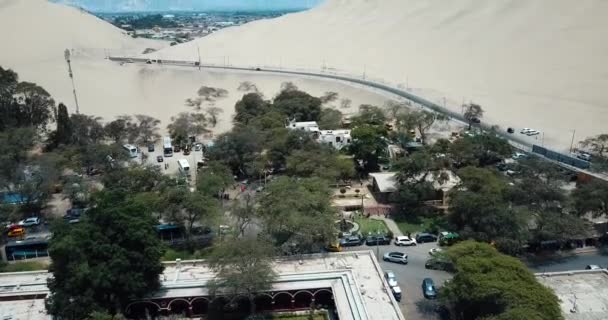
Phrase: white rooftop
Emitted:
{"points": [[355, 278], [583, 295], [444, 180]]}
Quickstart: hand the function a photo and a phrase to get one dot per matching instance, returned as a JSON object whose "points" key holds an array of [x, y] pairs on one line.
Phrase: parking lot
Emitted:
{"points": [[409, 277]]}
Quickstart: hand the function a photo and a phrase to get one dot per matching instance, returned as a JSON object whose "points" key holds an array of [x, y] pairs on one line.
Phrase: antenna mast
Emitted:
{"points": [[66, 54]]}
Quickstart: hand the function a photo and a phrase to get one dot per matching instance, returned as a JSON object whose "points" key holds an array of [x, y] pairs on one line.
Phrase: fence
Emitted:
{"points": [[550, 154]]}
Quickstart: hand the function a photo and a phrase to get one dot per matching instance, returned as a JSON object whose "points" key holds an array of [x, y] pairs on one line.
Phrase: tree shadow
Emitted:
{"points": [[432, 309]]}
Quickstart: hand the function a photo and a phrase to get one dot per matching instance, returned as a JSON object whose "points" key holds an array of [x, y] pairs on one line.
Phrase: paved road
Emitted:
{"points": [[413, 305], [574, 262]]}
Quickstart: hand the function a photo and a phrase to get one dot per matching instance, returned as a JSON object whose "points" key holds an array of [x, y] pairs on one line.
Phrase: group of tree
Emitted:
{"points": [[260, 143], [491, 285]]}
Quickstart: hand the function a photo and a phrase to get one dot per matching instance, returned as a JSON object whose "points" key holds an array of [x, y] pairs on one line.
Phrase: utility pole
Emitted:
{"points": [[572, 143], [66, 54], [199, 56]]}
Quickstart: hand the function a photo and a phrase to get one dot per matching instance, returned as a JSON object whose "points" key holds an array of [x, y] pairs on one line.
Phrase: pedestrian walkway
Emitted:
{"points": [[390, 224]]}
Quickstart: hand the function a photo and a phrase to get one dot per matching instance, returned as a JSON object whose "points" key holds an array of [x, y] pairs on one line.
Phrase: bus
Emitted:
{"points": [[132, 150], [167, 147], [184, 167], [26, 249]]}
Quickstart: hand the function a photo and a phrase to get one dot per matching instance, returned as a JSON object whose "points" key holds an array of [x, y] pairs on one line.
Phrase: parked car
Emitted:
{"points": [[398, 257], [159, 159], [405, 241], [593, 267], [151, 147], [17, 231], [390, 278], [30, 222], [396, 293], [377, 240], [435, 251], [351, 241], [73, 215], [334, 247], [186, 151], [518, 155], [177, 148], [198, 146], [439, 264], [425, 237], [428, 288]]}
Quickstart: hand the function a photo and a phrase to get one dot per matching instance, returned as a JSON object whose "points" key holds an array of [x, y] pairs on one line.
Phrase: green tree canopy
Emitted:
{"points": [[490, 285], [368, 145], [242, 266], [330, 119], [297, 214], [110, 258], [250, 106], [298, 105]]}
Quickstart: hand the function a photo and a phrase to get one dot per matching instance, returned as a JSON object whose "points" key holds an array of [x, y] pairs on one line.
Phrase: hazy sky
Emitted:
{"points": [[154, 5]]}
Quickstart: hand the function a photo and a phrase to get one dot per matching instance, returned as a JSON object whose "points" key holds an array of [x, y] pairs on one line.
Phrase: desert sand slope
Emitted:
{"points": [[540, 64], [36, 33]]}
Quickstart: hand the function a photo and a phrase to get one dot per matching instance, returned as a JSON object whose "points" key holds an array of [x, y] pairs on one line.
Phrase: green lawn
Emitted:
{"points": [[24, 266], [367, 225], [421, 224]]}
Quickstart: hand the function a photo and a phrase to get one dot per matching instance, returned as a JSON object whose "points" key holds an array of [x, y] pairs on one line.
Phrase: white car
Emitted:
{"points": [[593, 267], [390, 278], [525, 130], [398, 257], [533, 133], [518, 155], [405, 241], [32, 221], [435, 251]]}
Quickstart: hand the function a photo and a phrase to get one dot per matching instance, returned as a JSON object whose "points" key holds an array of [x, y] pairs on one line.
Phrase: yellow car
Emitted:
{"points": [[334, 247], [16, 232]]}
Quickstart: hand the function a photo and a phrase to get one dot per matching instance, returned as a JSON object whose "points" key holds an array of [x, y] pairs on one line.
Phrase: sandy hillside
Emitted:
{"points": [[108, 89], [539, 64]]}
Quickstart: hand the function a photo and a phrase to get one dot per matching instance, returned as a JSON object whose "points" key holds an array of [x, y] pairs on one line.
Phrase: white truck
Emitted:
{"points": [[184, 167]]}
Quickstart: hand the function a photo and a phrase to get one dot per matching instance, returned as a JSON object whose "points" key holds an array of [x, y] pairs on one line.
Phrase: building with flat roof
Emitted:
{"points": [[582, 294], [348, 284], [335, 138]]}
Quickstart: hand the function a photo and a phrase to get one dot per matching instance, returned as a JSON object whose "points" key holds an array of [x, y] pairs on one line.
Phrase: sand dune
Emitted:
{"points": [[41, 31], [540, 64]]}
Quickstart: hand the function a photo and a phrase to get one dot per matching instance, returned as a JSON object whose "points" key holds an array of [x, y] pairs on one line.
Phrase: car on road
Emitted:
{"points": [[593, 267], [30, 222], [584, 156], [439, 264], [533, 133], [351, 241], [405, 241], [159, 159], [396, 293], [435, 251], [525, 130], [377, 240], [151, 147], [425, 237], [390, 278], [397, 257], [428, 288]]}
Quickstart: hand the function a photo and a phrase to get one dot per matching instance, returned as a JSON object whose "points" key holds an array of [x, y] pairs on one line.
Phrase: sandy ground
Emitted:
{"points": [[526, 62]]}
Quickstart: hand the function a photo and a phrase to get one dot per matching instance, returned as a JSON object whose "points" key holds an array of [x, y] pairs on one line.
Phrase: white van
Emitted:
{"points": [[184, 167]]}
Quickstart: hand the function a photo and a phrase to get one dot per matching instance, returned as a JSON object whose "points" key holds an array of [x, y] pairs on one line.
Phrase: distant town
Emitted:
{"points": [[180, 27]]}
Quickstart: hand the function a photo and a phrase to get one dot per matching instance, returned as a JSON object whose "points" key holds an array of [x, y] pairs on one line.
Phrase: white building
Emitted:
{"points": [[307, 126], [335, 138], [352, 282]]}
